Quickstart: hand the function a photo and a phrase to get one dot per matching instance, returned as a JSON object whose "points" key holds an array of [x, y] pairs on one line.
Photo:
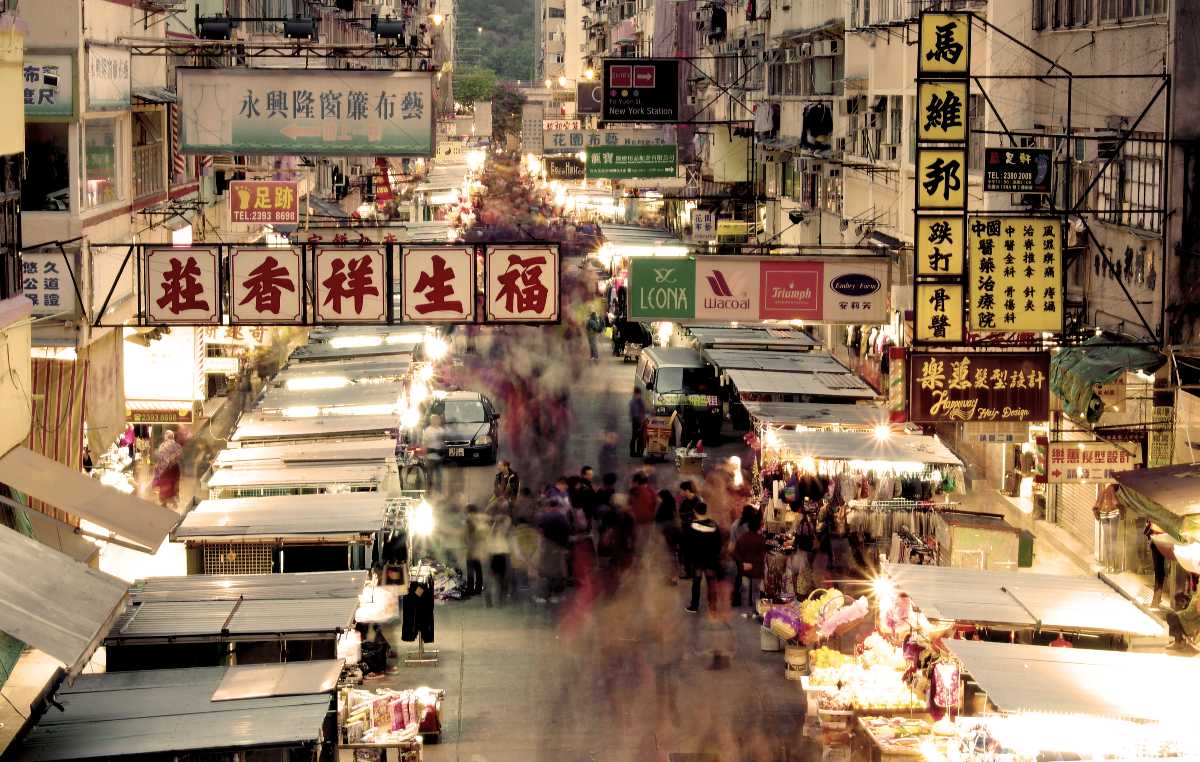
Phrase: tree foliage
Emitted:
{"points": [[473, 83], [505, 45]]}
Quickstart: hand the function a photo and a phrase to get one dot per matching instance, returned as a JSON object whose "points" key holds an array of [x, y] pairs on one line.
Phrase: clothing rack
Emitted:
{"points": [[422, 575], [881, 519]]}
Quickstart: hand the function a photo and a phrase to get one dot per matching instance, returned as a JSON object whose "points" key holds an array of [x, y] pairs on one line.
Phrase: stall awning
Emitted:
{"points": [[352, 396], [258, 427], [810, 414], [861, 445], [71, 491], [1021, 600], [752, 382], [752, 337], [1115, 684], [757, 359], [1075, 373], [169, 712], [1169, 496], [353, 473], [55, 604], [286, 516], [273, 456]]}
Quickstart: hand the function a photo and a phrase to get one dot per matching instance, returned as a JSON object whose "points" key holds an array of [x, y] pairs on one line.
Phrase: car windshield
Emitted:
{"points": [[462, 411], [687, 380]]}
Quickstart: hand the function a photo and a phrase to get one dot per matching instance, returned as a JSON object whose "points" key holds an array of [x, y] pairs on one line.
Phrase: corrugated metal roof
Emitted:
{"points": [[159, 711], [354, 450], [791, 382], [287, 679], [351, 394], [208, 587], [344, 473], [259, 427], [864, 445], [286, 515], [53, 603], [750, 336], [324, 351], [812, 414], [750, 359], [390, 366]]}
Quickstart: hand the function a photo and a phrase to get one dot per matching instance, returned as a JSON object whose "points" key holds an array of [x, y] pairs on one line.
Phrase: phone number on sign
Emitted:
{"points": [[250, 216]]}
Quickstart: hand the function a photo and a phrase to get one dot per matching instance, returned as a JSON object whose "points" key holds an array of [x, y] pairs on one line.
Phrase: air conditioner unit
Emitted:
{"points": [[355, 170], [806, 49]]}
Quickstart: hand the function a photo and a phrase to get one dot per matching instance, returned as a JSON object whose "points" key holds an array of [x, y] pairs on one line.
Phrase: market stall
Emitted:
{"points": [[290, 479], [260, 429], [374, 721], [379, 450], [351, 399], [798, 416], [748, 385], [745, 337]]}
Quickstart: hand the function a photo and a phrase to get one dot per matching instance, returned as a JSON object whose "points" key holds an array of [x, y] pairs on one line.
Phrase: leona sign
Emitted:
{"points": [[750, 289]]}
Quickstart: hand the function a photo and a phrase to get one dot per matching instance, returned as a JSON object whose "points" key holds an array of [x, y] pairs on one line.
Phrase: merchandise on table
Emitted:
{"points": [[872, 681], [386, 717], [822, 615]]}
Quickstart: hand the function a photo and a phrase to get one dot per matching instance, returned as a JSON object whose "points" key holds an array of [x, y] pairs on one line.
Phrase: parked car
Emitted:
{"points": [[677, 380], [471, 424]]}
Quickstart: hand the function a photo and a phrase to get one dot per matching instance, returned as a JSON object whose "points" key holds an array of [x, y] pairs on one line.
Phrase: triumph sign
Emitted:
{"points": [[750, 289]]}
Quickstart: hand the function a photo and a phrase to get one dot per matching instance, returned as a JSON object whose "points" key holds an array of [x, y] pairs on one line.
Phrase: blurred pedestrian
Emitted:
{"points": [[749, 558], [637, 422], [555, 528], [477, 529], [606, 459], [433, 439], [498, 549], [594, 328], [702, 540], [507, 484], [166, 470], [642, 501], [689, 501]]}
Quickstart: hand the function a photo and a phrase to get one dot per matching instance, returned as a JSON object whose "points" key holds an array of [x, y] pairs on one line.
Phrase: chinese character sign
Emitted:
{"points": [[108, 77], [46, 281], [940, 246], [313, 112], [941, 178], [1018, 170], [939, 313], [1074, 462], [942, 111], [957, 387], [944, 46], [265, 286], [438, 284], [48, 82], [181, 286], [350, 286], [267, 202], [522, 284], [1015, 273]]}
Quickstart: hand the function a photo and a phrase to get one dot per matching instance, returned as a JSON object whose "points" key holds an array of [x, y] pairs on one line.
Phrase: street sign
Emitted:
{"points": [[311, 112], [573, 141], [588, 98], [1017, 170], [957, 387], [632, 162], [267, 202], [640, 90], [1074, 462], [1015, 273]]}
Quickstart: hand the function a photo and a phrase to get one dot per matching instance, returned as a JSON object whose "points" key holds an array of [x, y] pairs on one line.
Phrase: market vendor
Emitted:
{"points": [[1184, 624]]}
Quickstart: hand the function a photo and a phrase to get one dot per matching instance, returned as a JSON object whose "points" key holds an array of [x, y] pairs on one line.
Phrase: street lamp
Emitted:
{"points": [[437, 19], [589, 75], [562, 81]]}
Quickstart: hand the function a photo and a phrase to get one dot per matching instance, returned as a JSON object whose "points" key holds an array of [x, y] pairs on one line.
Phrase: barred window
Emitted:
{"points": [[975, 109], [1126, 10], [1131, 188]]}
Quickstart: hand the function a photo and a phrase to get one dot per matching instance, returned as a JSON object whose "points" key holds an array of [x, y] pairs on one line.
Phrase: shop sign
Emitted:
{"points": [[632, 162], [941, 246], [733, 231], [438, 284], [351, 285], [49, 85], [640, 90], [158, 416], [265, 286], [1017, 170], [939, 310], [587, 98], [560, 125], [309, 112], [1015, 273], [108, 77], [1161, 444], [1112, 394], [1074, 462], [46, 281], [727, 289], [704, 225], [563, 168], [268, 202], [576, 140], [181, 285], [662, 289], [897, 370], [521, 284], [942, 178], [944, 45], [942, 116], [957, 387]]}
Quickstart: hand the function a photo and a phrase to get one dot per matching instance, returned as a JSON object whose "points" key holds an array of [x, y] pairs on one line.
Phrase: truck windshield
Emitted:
{"points": [[686, 380]]}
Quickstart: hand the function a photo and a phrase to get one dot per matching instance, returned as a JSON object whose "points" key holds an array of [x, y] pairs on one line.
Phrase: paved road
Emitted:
{"points": [[626, 679]]}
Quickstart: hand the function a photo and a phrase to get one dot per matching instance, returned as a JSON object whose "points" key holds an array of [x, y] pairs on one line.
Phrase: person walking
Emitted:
{"points": [[478, 527], [507, 484], [749, 558], [606, 458], [642, 500], [688, 502], [433, 439], [166, 470], [594, 327], [498, 549], [637, 422], [702, 538]]}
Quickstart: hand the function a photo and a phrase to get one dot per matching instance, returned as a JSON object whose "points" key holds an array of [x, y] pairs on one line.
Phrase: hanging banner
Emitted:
{"points": [[743, 288], [182, 286], [940, 315], [941, 246], [1074, 462], [564, 168], [46, 281], [950, 387], [1017, 170], [640, 90], [1016, 273], [521, 284], [632, 162], [317, 112], [109, 69], [49, 84], [268, 202], [575, 140], [350, 285], [265, 286], [438, 284]]}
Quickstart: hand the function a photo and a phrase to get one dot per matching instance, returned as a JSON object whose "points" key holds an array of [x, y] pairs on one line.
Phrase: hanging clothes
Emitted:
{"points": [[418, 612]]}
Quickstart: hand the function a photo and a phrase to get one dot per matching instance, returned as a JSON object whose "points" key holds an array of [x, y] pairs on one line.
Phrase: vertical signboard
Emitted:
{"points": [[704, 225], [521, 284], [350, 285], [182, 285], [49, 84], [1016, 274], [438, 284], [108, 77], [941, 178], [265, 286], [46, 281]]}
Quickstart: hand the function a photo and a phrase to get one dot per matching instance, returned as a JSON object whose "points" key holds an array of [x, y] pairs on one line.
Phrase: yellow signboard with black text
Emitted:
{"points": [[942, 111], [1015, 273], [940, 245], [942, 178], [939, 313], [944, 44]]}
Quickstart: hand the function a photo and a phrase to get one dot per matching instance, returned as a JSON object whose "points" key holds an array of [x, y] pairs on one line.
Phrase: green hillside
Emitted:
{"points": [[506, 43]]}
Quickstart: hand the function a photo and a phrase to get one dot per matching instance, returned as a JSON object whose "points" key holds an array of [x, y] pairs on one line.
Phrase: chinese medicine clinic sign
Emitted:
{"points": [[1073, 462], [824, 290], [632, 162], [267, 202], [181, 285], [265, 286], [957, 387], [438, 284], [49, 85], [640, 90], [1016, 273], [939, 308], [46, 281], [313, 112], [521, 284], [108, 77], [351, 285]]}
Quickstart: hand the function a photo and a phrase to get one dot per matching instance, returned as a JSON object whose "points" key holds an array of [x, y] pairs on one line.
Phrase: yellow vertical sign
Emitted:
{"points": [[942, 178], [944, 44], [940, 246], [939, 313], [942, 111], [1015, 273]]}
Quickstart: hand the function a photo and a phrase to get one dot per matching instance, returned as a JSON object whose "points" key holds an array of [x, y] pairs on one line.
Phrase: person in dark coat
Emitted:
{"points": [[749, 558], [702, 543]]}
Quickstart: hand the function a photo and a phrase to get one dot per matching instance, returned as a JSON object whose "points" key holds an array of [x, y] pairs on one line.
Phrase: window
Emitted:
{"points": [[47, 186], [831, 193], [1127, 10], [975, 108], [149, 166], [1039, 15], [896, 120], [1131, 187], [556, 13], [1068, 13], [101, 171]]}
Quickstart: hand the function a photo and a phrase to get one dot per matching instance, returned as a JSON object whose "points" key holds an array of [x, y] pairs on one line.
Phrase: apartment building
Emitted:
{"points": [[560, 41]]}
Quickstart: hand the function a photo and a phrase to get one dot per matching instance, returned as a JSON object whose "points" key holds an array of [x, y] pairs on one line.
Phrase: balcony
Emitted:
{"points": [[149, 170]]}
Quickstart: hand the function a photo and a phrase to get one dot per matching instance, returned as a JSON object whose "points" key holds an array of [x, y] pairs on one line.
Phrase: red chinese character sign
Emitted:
{"points": [[351, 285], [181, 286], [438, 284], [521, 284], [265, 286]]}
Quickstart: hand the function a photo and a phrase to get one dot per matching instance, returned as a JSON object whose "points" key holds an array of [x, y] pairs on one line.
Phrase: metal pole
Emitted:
{"points": [[1165, 195]]}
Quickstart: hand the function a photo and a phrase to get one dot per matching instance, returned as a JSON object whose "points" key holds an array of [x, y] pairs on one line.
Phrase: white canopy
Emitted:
{"points": [[864, 445], [847, 415], [351, 473], [258, 427], [1021, 599], [798, 383], [1136, 686], [277, 455], [286, 516]]}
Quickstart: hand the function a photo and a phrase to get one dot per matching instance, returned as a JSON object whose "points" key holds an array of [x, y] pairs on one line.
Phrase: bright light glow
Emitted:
{"points": [[316, 382], [410, 418], [547, 84], [437, 19], [404, 338], [772, 439], [355, 342], [364, 410], [662, 333], [445, 198], [882, 432], [562, 81], [425, 373], [589, 74], [436, 348], [302, 411], [735, 465], [420, 520], [475, 160], [418, 393], [182, 236]]}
